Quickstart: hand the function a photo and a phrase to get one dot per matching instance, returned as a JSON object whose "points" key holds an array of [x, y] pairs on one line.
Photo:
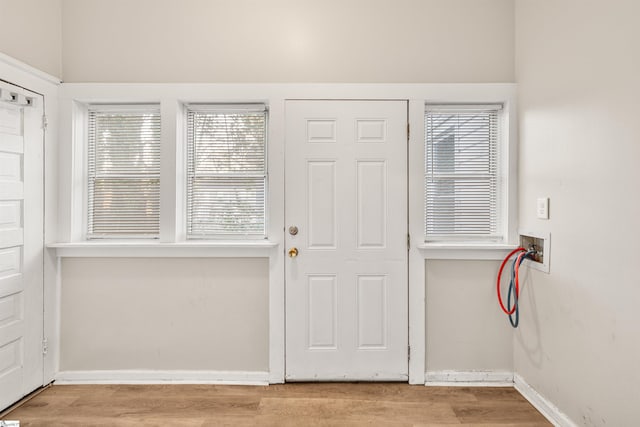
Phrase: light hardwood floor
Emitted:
{"points": [[304, 404]]}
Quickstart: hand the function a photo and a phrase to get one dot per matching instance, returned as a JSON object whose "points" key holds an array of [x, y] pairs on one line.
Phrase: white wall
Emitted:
{"points": [[165, 314], [31, 32], [578, 64], [288, 41]]}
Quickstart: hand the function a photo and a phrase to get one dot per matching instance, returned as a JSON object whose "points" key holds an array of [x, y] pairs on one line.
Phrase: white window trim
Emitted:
{"points": [[172, 98], [466, 251], [150, 249], [461, 249], [173, 174]]}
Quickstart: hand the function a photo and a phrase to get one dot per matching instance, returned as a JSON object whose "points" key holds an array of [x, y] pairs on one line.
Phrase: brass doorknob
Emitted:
{"points": [[293, 252]]}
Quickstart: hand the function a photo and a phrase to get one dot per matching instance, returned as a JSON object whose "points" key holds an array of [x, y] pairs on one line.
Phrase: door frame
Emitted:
{"points": [[415, 95]]}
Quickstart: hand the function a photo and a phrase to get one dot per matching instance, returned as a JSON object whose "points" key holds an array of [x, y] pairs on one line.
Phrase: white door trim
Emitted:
{"points": [[277, 326], [417, 283], [23, 71]]}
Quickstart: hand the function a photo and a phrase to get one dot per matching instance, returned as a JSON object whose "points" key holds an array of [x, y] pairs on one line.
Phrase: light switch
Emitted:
{"points": [[542, 207]]}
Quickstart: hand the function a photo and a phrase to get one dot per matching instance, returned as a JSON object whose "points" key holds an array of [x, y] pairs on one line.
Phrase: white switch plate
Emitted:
{"points": [[542, 207]]}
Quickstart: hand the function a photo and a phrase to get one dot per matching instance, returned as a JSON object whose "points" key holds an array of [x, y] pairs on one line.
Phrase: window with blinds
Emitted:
{"points": [[226, 171], [462, 176], [123, 172]]}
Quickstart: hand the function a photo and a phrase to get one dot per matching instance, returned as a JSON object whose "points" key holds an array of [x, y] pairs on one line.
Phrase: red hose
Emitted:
{"points": [[504, 262]]}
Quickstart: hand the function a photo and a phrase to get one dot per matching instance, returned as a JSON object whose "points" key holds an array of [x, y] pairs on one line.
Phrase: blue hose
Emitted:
{"points": [[514, 318]]}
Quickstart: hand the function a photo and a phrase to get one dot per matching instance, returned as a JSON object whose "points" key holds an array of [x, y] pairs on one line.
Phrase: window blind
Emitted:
{"points": [[462, 172], [123, 172], [226, 171]]}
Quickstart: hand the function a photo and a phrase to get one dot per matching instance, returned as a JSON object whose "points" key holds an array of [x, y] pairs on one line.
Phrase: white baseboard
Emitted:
{"points": [[163, 377], [469, 378], [542, 404]]}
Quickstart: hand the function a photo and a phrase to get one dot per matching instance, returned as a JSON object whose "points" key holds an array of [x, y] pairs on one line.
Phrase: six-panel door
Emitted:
{"points": [[346, 192]]}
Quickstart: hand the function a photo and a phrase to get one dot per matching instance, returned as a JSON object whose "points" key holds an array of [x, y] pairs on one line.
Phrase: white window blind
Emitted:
{"points": [[462, 172], [123, 172], [226, 171]]}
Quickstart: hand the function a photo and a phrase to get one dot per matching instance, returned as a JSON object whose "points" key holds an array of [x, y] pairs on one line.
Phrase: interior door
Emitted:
{"points": [[346, 216], [21, 243]]}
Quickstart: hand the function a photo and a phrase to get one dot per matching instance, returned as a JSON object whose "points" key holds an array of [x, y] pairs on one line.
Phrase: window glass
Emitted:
{"points": [[226, 172], [123, 172], [462, 173]]}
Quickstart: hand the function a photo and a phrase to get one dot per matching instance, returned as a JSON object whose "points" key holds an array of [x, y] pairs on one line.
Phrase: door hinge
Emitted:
{"points": [[45, 122], [45, 346], [408, 241], [408, 131], [409, 353]]}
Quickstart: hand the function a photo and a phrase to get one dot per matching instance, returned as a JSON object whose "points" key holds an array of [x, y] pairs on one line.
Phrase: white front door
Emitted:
{"points": [[21, 243], [347, 288]]}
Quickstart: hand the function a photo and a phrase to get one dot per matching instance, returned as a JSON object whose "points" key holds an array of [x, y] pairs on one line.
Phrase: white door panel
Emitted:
{"points": [[21, 245], [346, 191]]}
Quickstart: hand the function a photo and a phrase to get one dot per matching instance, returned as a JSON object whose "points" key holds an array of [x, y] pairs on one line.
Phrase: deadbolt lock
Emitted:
{"points": [[293, 230]]}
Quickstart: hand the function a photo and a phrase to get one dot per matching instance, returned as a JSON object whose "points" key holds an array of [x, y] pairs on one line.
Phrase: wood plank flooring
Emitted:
{"points": [[297, 404]]}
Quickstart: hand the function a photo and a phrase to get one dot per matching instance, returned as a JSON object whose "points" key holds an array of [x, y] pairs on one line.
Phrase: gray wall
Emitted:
{"points": [[578, 64], [288, 41], [165, 314], [31, 32], [466, 330]]}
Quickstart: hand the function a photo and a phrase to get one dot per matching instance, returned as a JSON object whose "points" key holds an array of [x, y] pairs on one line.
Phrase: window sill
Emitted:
{"points": [[465, 251], [191, 249]]}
